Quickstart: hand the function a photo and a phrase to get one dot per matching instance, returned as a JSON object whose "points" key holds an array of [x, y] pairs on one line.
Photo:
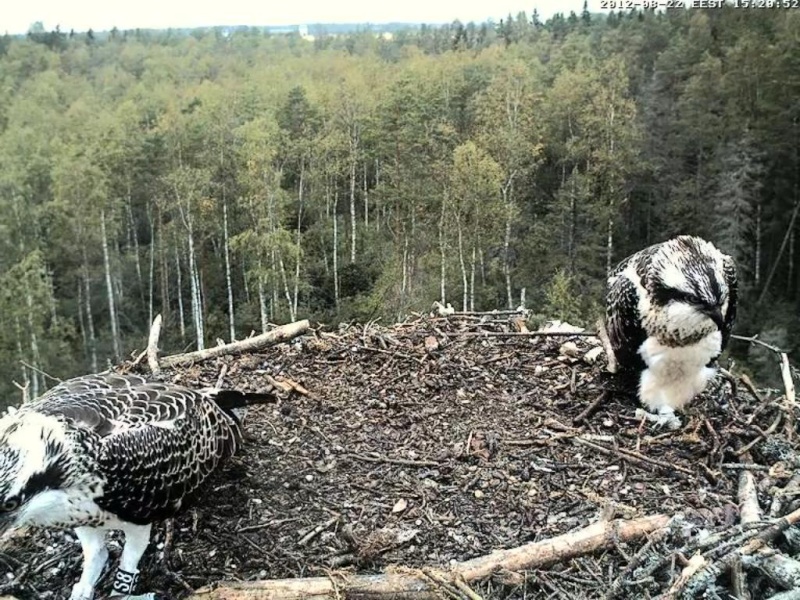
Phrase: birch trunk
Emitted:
{"points": [[757, 270], [508, 191], [181, 313], [194, 283], [472, 281], [782, 248], [51, 297], [26, 378], [112, 310], [377, 184], [790, 278], [262, 303], [366, 199], [226, 244], [87, 299], [609, 245], [465, 286], [134, 237], [443, 251], [286, 287], [412, 257], [573, 218], [273, 305], [151, 274], [245, 282], [297, 242], [405, 284], [164, 261], [82, 320], [197, 308], [35, 359], [335, 257], [352, 210]]}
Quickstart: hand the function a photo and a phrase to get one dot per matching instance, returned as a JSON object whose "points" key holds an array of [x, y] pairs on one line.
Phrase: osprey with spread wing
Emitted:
{"points": [[113, 452], [670, 310]]}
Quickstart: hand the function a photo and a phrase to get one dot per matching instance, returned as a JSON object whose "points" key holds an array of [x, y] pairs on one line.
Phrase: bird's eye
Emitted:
{"points": [[10, 504]]}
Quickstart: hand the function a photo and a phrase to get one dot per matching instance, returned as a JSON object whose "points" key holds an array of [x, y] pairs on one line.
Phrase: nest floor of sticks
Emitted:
{"points": [[458, 457]]}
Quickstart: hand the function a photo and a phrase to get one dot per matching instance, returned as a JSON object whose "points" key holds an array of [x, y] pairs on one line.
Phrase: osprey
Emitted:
{"points": [[111, 451], [670, 309]]}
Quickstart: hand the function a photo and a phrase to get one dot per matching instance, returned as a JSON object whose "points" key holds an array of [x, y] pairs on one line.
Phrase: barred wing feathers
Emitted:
{"points": [[623, 321], [154, 443]]}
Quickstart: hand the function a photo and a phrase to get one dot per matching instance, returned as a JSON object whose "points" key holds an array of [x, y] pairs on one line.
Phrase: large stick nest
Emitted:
{"points": [[416, 445]]}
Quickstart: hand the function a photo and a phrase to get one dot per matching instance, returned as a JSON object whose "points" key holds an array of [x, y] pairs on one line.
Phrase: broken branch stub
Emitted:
{"points": [[152, 345], [280, 334], [409, 584]]}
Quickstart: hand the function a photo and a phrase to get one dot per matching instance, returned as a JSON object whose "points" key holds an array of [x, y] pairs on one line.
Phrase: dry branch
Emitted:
{"points": [[788, 382], [152, 345], [754, 340], [748, 498], [696, 563], [591, 409], [632, 457], [524, 333], [276, 336], [408, 584], [701, 580]]}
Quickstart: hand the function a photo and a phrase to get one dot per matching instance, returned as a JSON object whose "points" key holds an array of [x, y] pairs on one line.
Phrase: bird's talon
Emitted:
{"points": [[664, 418]]}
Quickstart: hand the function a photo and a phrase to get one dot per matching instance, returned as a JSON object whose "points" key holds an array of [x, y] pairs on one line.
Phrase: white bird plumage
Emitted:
{"points": [[113, 452], [670, 309]]}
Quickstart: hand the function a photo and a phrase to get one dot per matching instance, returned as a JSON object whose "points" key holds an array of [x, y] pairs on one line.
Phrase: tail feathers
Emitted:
{"points": [[232, 399]]}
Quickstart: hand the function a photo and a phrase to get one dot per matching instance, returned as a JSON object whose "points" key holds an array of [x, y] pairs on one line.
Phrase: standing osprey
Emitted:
{"points": [[113, 451], [670, 309]]}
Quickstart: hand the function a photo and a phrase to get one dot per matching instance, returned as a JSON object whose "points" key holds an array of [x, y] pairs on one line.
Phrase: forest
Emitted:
{"points": [[232, 178]]}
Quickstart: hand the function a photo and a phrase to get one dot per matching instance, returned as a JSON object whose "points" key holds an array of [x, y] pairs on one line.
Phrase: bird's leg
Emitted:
{"points": [[95, 555], [137, 537], [666, 417]]}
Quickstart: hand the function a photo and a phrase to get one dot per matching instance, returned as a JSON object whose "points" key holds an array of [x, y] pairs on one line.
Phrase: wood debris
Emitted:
{"points": [[487, 441]]}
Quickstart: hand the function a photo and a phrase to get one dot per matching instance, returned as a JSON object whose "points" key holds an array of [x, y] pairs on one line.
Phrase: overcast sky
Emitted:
{"points": [[80, 15]]}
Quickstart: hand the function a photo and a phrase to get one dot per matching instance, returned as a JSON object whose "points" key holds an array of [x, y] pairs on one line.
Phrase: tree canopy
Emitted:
{"points": [[233, 178]]}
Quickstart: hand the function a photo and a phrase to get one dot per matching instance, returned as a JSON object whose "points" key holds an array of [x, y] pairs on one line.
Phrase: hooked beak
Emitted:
{"points": [[715, 314]]}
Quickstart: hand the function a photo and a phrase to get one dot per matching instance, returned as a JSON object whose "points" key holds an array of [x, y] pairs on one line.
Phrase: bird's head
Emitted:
{"points": [[33, 468], [688, 289]]}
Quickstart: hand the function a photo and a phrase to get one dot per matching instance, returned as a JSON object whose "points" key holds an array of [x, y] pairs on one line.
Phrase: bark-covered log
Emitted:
{"points": [[276, 336], [409, 584]]}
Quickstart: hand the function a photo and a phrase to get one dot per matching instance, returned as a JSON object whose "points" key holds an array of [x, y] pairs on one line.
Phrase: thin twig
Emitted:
{"points": [[395, 461], [317, 530], [754, 340], [761, 436], [38, 370], [524, 333], [632, 457], [591, 409], [221, 377], [459, 582], [443, 584], [745, 466], [25, 389]]}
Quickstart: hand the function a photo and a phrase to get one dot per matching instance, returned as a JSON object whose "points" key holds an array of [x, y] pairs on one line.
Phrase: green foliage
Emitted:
{"points": [[561, 300], [362, 176]]}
